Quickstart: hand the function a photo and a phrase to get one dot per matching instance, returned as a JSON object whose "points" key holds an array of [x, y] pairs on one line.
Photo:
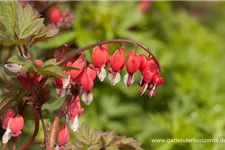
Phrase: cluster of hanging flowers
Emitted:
{"points": [[85, 74], [81, 80]]}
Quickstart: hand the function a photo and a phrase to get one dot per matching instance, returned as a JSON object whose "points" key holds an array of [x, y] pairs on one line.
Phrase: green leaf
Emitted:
{"points": [[29, 67], [7, 21], [19, 25], [52, 70], [18, 59], [50, 62]]}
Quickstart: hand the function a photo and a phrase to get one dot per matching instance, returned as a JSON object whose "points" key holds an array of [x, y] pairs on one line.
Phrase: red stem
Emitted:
{"points": [[25, 50], [111, 41], [4, 146], [20, 50], [36, 129]]}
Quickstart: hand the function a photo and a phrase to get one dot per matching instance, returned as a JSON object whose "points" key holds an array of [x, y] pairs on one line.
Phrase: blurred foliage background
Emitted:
{"points": [[186, 37]]}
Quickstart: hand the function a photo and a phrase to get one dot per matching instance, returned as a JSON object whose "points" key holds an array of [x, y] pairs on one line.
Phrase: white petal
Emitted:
{"points": [[56, 147], [13, 67], [140, 80], [74, 124], [101, 73], [6, 136], [152, 91], [114, 79], [67, 119], [125, 79], [61, 92], [145, 88], [66, 82], [87, 98]]}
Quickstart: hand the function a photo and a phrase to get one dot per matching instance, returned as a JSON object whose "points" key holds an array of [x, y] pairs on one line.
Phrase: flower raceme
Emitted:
{"points": [[85, 74], [13, 125]]}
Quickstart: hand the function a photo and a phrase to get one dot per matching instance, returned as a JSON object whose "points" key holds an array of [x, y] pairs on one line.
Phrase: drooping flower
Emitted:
{"points": [[13, 125], [62, 85], [100, 58], [86, 79], [79, 65], [73, 113], [117, 62], [63, 136], [132, 66]]}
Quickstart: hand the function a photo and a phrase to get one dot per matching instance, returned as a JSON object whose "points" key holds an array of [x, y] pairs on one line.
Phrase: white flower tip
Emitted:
{"points": [[101, 74], [144, 88], [13, 67], [74, 124], [87, 98], [6, 137], [66, 82], [127, 78], [61, 92], [114, 79], [56, 147]]}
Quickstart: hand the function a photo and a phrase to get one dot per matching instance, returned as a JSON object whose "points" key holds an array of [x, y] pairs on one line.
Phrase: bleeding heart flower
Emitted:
{"points": [[14, 127], [62, 85], [117, 62], [73, 113], [79, 64], [132, 66], [63, 136], [100, 58], [148, 78], [86, 79]]}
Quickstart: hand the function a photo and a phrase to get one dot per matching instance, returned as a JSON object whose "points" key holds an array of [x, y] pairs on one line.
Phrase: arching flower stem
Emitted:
{"points": [[108, 42]]}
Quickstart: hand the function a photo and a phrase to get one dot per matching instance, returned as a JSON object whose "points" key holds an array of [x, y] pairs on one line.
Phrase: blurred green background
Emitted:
{"points": [[188, 40]]}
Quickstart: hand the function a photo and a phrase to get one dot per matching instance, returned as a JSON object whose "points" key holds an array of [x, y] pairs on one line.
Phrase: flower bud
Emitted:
{"points": [[63, 136]]}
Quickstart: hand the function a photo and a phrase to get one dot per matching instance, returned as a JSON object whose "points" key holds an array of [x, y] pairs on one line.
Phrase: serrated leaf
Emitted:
{"points": [[19, 25], [7, 21]]}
